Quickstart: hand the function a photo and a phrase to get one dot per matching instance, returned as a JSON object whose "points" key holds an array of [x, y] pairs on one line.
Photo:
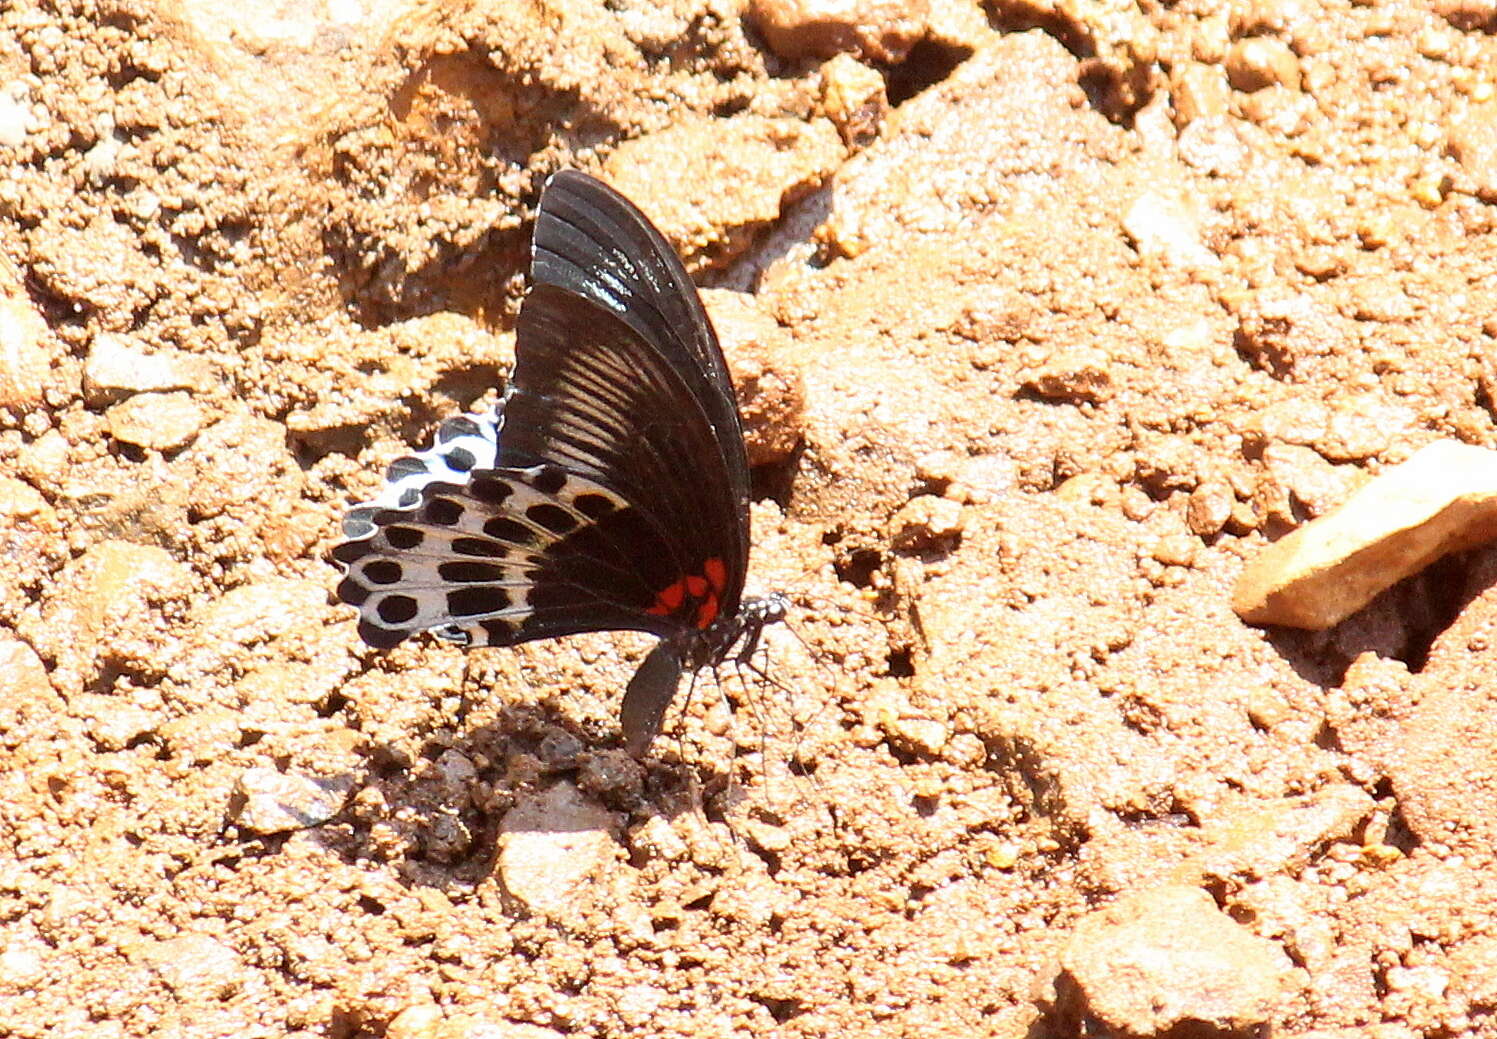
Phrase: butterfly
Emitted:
{"points": [[609, 488]]}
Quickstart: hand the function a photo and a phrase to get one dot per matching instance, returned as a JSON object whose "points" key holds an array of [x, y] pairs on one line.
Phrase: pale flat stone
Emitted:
{"points": [[268, 801], [1442, 500], [1168, 958], [551, 844], [159, 421], [117, 367], [23, 354]]}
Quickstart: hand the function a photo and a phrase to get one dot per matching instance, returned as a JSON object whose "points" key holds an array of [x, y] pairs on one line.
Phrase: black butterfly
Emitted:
{"points": [[608, 490]]}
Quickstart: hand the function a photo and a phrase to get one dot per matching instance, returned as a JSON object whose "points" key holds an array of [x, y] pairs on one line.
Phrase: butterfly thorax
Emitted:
{"points": [[711, 646]]}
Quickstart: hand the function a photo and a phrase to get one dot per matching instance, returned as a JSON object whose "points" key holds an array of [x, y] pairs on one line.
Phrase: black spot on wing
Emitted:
{"points": [[352, 592], [444, 512], [464, 602], [593, 505], [479, 547], [403, 538], [381, 638], [465, 572], [383, 571], [502, 528], [552, 517], [396, 609], [490, 490], [549, 480]]}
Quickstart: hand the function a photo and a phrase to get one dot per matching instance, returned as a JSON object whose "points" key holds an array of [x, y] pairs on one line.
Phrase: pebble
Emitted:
{"points": [[1209, 508], [158, 421], [928, 523], [1260, 61], [1442, 500], [268, 801], [877, 30], [767, 382], [1073, 376], [108, 604], [422, 1021], [854, 98], [15, 114], [1473, 144], [1199, 92], [1164, 226], [118, 366], [551, 844], [1168, 958], [27, 699], [23, 353], [198, 968]]}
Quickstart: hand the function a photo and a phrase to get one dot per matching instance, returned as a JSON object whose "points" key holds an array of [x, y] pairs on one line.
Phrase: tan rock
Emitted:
{"points": [[550, 844], [771, 395], [1258, 62], [1473, 144], [727, 177], [159, 421], [880, 30], [118, 366], [854, 98], [23, 353], [1074, 376], [1442, 500], [113, 604], [1169, 958]]}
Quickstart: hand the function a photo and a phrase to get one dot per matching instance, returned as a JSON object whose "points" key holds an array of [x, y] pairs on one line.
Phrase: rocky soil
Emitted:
{"points": [[1047, 319]]}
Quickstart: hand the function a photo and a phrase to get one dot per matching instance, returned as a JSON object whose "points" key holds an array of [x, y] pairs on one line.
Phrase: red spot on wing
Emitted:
{"points": [[717, 573], [704, 589], [707, 611]]}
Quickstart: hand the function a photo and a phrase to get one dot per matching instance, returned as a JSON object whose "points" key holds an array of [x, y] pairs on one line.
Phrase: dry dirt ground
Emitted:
{"points": [[1045, 317]]}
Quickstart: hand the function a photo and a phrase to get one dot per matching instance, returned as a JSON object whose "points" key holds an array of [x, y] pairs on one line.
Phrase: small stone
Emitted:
{"points": [[1473, 144], [418, 1022], [28, 703], [854, 98], [15, 113], [877, 30], [1259, 61], [1199, 92], [776, 161], [1442, 500], [1169, 959], [1209, 508], [199, 969], [767, 383], [109, 606], [928, 523], [267, 801], [23, 353], [1277, 330], [1281, 836], [1176, 550], [22, 964], [924, 736], [118, 366], [551, 844], [113, 722], [1074, 376], [44, 461], [1165, 227], [1315, 484], [158, 421]]}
